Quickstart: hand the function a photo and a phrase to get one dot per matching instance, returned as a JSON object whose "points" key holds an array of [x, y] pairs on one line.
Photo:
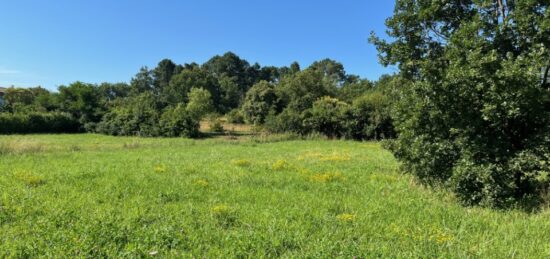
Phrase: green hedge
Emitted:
{"points": [[24, 123]]}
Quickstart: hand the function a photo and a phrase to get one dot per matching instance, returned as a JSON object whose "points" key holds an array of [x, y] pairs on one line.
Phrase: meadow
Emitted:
{"points": [[86, 195]]}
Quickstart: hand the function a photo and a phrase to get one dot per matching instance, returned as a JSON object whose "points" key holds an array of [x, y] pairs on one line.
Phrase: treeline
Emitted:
{"points": [[171, 99]]}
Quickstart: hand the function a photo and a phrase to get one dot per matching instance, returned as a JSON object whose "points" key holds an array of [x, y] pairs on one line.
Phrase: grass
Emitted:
{"points": [[101, 196]]}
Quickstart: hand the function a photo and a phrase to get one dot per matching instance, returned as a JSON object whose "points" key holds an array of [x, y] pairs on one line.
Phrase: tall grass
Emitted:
{"points": [[211, 198]]}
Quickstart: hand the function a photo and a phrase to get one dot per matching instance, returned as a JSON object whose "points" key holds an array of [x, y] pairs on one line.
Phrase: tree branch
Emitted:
{"points": [[502, 9], [545, 76]]}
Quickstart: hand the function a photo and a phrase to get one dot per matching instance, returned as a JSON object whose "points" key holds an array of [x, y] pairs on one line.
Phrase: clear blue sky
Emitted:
{"points": [[57, 42]]}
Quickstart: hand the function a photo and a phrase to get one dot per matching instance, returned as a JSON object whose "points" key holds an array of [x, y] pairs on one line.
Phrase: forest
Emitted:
{"points": [[171, 99]]}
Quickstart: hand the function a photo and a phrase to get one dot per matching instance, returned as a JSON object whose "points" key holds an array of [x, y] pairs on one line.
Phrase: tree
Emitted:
{"points": [[162, 74], [181, 84], [300, 90], [200, 103], [331, 70], [82, 101], [18, 99], [109, 92], [231, 65], [473, 109], [369, 117], [354, 89], [137, 115], [260, 100], [295, 67], [231, 93], [328, 116], [142, 82], [177, 122]]}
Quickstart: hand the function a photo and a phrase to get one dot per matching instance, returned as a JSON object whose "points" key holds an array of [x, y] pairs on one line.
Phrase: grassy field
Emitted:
{"points": [[91, 196]]}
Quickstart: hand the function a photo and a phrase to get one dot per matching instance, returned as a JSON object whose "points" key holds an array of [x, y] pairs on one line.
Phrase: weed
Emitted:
{"points": [[161, 168], [280, 165], [202, 183], [241, 162], [29, 179], [346, 217], [224, 214]]}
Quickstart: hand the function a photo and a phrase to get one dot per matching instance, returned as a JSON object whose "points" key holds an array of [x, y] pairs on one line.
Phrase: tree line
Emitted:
{"points": [[171, 99]]}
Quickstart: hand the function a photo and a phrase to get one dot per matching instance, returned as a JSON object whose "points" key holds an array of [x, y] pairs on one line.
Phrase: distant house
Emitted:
{"points": [[2, 92]]}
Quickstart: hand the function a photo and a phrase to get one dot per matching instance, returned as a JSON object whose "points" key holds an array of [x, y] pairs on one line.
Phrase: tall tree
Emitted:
{"points": [[162, 74], [473, 109], [142, 82], [181, 84]]}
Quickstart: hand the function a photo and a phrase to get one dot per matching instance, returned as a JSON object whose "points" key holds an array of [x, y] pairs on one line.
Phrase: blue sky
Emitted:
{"points": [[50, 43]]}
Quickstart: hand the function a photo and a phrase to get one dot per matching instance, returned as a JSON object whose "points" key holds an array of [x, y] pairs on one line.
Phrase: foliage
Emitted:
{"points": [[178, 122], [260, 100], [181, 84], [473, 109], [134, 116], [25, 123], [279, 99], [369, 117], [235, 116], [200, 103], [82, 101], [327, 116]]}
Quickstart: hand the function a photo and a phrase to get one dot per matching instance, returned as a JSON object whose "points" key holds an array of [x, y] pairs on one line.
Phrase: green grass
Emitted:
{"points": [[92, 196]]}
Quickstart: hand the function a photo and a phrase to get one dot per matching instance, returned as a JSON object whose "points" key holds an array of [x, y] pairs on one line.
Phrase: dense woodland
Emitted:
{"points": [[170, 100], [469, 109]]}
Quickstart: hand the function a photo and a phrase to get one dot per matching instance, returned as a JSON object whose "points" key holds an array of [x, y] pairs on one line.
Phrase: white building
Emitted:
{"points": [[2, 92]]}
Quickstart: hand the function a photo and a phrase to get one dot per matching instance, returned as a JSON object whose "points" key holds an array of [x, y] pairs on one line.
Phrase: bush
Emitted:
{"points": [[135, 116], [216, 126], [260, 100], [54, 122], [288, 121], [327, 116], [369, 118], [235, 116], [176, 122]]}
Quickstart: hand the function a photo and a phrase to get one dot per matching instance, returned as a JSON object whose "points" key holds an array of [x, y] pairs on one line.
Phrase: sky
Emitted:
{"points": [[57, 42]]}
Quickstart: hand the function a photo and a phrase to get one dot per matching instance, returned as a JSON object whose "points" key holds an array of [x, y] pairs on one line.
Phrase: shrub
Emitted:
{"points": [[216, 125], [328, 116], [135, 116], [289, 120], [260, 100], [369, 118], [235, 116], [176, 122], [53, 122]]}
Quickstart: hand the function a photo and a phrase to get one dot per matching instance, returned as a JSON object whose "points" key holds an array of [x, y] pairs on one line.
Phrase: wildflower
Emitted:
{"points": [[335, 158], [160, 168], [345, 217], [202, 183], [240, 162], [29, 179], [279, 165], [222, 211], [224, 214], [442, 238]]}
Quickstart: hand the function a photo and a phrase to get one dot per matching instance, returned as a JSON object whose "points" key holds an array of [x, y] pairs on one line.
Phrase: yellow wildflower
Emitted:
{"points": [[346, 217]]}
